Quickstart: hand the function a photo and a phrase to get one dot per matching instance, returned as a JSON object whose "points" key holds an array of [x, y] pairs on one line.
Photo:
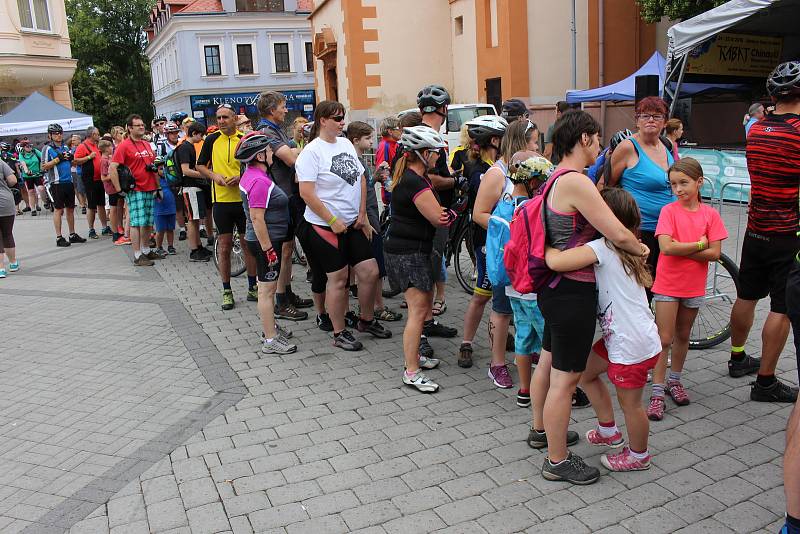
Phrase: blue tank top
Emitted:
{"points": [[649, 185]]}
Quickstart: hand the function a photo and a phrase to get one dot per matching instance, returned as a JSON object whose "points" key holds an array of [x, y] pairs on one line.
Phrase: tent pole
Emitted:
{"points": [[684, 61], [600, 57]]}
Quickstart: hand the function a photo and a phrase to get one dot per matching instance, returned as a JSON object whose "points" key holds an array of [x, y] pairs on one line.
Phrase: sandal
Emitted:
{"points": [[385, 314], [439, 307]]}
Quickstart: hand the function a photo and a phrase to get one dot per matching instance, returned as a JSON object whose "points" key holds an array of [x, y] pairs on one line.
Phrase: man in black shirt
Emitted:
{"points": [[193, 184]]}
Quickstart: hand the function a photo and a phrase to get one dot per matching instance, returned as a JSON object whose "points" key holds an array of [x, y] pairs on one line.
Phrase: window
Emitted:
{"points": [[281, 57], [213, 66], [260, 5], [244, 58], [459, 25], [34, 15], [309, 56]]}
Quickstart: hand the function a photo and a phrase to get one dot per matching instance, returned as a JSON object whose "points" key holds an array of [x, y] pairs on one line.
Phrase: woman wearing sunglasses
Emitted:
{"points": [[337, 232]]}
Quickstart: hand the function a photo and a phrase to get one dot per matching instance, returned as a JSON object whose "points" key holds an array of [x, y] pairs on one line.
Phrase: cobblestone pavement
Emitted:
{"points": [[131, 403]]}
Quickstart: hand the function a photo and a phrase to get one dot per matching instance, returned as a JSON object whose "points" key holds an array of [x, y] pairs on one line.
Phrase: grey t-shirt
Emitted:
{"points": [[7, 206], [282, 173], [372, 201]]}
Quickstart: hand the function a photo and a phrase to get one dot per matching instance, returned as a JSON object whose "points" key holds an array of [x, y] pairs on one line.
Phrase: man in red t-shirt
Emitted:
{"points": [[137, 155], [87, 155]]}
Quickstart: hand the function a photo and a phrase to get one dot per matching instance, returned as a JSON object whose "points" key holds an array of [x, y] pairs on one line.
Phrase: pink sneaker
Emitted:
{"points": [[678, 393], [593, 436], [500, 376], [655, 410], [624, 461]]}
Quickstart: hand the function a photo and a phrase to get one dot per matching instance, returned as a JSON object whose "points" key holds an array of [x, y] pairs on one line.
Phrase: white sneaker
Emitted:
{"points": [[285, 332], [421, 382], [428, 363], [278, 345]]}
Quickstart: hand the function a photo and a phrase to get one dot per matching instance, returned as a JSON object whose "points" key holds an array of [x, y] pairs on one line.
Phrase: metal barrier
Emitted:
{"points": [[741, 203]]}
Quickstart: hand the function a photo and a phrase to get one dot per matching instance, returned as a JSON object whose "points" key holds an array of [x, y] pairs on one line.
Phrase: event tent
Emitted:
{"points": [[626, 89], [32, 115]]}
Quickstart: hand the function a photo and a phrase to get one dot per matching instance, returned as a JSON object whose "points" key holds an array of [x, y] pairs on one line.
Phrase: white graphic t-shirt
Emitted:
{"points": [[629, 329], [337, 172]]}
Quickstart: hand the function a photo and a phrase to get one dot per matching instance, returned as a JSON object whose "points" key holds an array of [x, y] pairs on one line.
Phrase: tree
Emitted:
{"points": [[655, 10], [112, 78]]}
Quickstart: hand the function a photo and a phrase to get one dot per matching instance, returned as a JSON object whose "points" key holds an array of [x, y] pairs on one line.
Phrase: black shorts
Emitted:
{"points": [[333, 252], [114, 199], [570, 315], [62, 195], [650, 239], [33, 182], [229, 215], [265, 273], [764, 268], [297, 210], [319, 278], [95, 194], [793, 307], [207, 198]]}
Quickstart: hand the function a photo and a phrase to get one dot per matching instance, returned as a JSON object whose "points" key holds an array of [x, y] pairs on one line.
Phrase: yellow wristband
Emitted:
{"points": [[333, 219], [700, 245]]}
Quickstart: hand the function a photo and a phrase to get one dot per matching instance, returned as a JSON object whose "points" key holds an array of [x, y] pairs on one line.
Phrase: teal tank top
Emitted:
{"points": [[649, 185]]}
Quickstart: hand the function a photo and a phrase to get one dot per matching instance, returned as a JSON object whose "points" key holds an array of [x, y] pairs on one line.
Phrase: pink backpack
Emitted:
{"points": [[525, 250]]}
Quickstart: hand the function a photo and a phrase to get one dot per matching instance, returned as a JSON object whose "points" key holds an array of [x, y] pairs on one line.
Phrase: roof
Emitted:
{"points": [[203, 6], [33, 114]]}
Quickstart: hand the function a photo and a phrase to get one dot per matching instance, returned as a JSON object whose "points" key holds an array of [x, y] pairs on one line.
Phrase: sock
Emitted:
{"points": [[639, 455], [136, 255], [251, 281], [524, 391], [410, 375], [557, 463], [765, 380], [607, 430], [280, 298], [226, 285], [658, 390], [115, 236], [465, 342], [674, 376], [737, 353], [268, 339]]}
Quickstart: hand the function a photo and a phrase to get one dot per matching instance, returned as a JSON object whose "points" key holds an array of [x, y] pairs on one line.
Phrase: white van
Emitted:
{"points": [[457, 115]]}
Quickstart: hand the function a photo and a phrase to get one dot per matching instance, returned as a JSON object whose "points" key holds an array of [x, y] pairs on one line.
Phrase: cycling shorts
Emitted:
{"points": [[334, 252], [265, 272], [483, 286], [229, 215], [62, 195], [764, 268], [570, 316], [33, 182]]}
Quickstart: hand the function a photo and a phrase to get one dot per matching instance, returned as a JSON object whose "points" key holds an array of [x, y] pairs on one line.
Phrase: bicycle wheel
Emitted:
{"points": [[238, 265], [713, 323], [464, 259], [298, 256]]}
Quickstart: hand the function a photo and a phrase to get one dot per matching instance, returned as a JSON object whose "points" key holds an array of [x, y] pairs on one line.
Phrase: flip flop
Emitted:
{"points": [[439, 307]]}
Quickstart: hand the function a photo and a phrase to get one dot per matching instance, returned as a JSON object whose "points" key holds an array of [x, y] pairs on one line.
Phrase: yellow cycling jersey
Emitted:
{"points": [[217, 154]]}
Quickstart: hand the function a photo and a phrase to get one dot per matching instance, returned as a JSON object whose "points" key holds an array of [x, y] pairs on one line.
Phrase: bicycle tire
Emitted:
{"points": [[464, 259], [712, 325], [238, 266]]}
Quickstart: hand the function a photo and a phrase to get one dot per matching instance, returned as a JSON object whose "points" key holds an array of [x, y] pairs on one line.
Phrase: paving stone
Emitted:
{"points": [[332, 524], [744, 517], [208, 519], [126, 510], [296, 492], [732, 490], [510, 520], [694, 507], [645, 497], [381, 490], [425, 521], [198, 492], [467, 486], [370, 514], [165, 515], [278, 516], [657, 520], [559, 525], [604, 513], [464, 510], [331, 503]]}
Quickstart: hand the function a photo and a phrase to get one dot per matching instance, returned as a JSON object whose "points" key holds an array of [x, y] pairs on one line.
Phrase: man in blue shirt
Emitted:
{"points": [[56, 158], [754, 114]]}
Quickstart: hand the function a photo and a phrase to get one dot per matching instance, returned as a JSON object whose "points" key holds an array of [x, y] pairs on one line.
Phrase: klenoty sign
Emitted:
{"points": [[736, 54]]}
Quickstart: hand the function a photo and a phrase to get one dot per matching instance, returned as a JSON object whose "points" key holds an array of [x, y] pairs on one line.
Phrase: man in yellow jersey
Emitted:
{"points": [[216, 163]]}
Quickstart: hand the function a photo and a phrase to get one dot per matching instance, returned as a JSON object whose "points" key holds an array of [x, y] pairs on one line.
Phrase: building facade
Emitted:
{"points": [[34, 52], [204, 53]]}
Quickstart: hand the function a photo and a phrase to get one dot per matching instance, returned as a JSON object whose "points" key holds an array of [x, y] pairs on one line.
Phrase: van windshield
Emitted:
{"points": [[458, 116]]}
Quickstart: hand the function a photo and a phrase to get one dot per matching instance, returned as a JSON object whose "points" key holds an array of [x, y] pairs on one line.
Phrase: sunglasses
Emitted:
{"points": [[338, 118], [224, 106]]}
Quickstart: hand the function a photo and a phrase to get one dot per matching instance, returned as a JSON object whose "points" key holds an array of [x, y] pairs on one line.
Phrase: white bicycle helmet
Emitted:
{"points": [[483, 128], [785, 79], [421, 138]]}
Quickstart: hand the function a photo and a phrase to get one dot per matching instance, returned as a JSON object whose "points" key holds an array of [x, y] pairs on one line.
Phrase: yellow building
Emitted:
{"points": [[34, 52]]}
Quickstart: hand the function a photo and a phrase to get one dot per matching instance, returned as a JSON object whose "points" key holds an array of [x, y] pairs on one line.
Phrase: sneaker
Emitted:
{"points": [[353, 291], [421, 382], [655, 410], [624, 461], [227, 299], [205, 252], [143, 261], [203, 233], [252, 294], [324, 322], [93, 234], [83, 210], [284, 332], [425, 348], [210, 241], [375, 328], [197, 255], [299, 303], [579, 399], [676, 390], [595, 438], [182, 235], [350, 319], [120, 230], [309, 277], [122, 241], [13, 267], [161, 253], [500, 376], [157, 254], [34, 213], [385, 314], [106, 231], [436, 329], [389, 293], [747, 366], [346, 341], [428, 363], [573, 469], [287, 311], [777, 392], [523, 399], [278, 345], [61, 242], [152, 242], [75, 238], [26, 210], [465, 355], [171, 250]]}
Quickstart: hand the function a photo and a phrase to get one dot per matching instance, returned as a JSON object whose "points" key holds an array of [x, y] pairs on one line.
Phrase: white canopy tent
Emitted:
{"points": [[35, 113]]}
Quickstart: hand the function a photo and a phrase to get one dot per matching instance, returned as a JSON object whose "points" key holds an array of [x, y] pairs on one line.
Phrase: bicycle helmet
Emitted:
{"points": [[619, 137], [535, 167], [307, 128], [785, 79], [513, 108], [160, 118], [5, 146], [171, 127], [54, 128], [432, 97], [250, 145], [421, 138], [483, 128], [178, 117]]}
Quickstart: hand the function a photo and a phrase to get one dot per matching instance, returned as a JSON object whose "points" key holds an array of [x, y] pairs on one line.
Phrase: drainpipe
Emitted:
{"points": [[601, 45], [574, 30]]}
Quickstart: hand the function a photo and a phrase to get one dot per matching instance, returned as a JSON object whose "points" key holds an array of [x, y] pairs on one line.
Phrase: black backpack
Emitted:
{"points": [[126, 180], [87, 168]]}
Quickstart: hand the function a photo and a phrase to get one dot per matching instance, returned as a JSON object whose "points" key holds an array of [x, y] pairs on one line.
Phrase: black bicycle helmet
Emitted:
{"points": [[513, 108], [250, 145], [619, 137], [482, 129], [432, 97], [178, 117], [785, 79], [54, 128], [160, 118]]}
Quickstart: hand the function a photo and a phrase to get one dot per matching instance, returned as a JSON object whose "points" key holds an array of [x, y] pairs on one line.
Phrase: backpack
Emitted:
{"points": [[171, 168], [126, 180], [524, 253], [498, 233], [87, 168]]}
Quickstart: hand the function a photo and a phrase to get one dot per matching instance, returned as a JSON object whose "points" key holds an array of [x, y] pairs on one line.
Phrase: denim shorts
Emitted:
{"points": [[691, 302], [500, 302]]}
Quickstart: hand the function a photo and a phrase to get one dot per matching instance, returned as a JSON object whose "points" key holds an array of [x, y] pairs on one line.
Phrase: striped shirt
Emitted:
{"points": [[773, 161]]}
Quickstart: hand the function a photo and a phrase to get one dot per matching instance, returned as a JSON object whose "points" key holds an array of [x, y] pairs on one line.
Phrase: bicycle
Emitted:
{"points": [[238, 265], [712, 325]]}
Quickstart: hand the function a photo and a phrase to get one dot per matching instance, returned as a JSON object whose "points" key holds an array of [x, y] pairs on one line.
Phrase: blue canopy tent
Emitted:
{"points": [[626, 89]]}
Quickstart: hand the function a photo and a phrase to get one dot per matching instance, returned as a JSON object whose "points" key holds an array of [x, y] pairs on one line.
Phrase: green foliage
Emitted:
{"points": [[112, 79], [654, 10]]}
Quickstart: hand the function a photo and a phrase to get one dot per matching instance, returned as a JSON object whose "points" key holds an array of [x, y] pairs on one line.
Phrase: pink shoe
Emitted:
{"points": [[655, 411], [593, 436], [500, 376], [678, 393], [624, 461]]}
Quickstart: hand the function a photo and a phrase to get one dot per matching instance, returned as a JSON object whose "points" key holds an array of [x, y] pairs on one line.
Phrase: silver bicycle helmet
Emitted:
{"points": [[785, 79], [483, 128], [619, 137], [171, 127], [250, 145], [421, 138], [432, 97]]}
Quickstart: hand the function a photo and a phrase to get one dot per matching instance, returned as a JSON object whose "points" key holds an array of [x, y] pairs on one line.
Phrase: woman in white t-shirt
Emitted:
{"points": [[630, 345], [337, 232]]}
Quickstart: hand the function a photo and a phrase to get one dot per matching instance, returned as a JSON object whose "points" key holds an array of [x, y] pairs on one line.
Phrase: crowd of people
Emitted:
{"points": [[625, 232]]}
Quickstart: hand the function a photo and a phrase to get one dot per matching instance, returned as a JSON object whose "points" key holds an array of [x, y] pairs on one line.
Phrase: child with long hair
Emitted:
{"points": [[630, 345], [690, 235]]}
